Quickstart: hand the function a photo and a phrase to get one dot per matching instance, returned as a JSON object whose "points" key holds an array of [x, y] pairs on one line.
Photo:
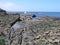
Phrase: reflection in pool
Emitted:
{"points": [[18, 25]]}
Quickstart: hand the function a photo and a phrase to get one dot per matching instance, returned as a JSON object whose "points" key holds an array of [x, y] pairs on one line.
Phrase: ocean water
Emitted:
{"points": [[53, 14]]}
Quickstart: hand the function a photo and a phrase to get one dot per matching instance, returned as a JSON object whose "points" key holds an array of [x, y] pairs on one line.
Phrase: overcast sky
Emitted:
{"points": [[30, 5]]}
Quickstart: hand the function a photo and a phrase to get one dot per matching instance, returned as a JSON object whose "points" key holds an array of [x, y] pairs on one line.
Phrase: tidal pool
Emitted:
{"points": [[18, 25]]}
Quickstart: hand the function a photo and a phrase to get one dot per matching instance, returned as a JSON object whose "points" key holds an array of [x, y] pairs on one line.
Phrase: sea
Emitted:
{"points": [[53, 14], [38, 14]]}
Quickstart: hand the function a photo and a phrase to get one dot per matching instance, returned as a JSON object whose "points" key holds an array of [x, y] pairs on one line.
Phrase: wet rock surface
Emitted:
{"points": [[44, 31]]}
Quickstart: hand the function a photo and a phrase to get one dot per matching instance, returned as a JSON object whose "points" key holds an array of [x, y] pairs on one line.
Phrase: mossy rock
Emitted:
{"points": [[41, 41], [2, 40]]}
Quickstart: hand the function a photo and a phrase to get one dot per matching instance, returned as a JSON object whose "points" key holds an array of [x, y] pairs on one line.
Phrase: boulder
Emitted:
{"points": [[2, 12]]}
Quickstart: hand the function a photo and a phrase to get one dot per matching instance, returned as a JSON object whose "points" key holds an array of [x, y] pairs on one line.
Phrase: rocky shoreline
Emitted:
{"points": [[43, 31]]}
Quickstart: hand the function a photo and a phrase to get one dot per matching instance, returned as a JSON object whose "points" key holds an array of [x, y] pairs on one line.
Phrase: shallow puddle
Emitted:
{"points": [[18, 25]]}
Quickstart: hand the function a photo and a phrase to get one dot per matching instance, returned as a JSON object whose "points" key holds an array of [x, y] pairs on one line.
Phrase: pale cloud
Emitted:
{"points": [[9, 6]]}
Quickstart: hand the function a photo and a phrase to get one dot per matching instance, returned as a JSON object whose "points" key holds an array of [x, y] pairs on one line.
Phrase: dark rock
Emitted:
{"points": [[2, 12]]}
